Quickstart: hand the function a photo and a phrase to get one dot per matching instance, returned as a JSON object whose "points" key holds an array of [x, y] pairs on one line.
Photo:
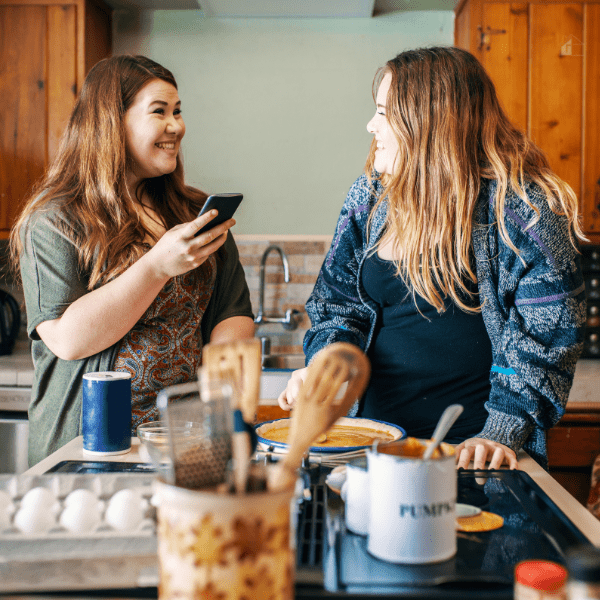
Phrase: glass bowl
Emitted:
{"points": [[154, 444], [155, 441]]}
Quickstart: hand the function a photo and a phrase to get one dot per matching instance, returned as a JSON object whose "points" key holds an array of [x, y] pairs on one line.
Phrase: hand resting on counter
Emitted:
{"points": [[480, 450], [477, 450]]}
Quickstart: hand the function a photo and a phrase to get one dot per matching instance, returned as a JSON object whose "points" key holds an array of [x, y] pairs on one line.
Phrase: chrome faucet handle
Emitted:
{"points": [[292, 319]]}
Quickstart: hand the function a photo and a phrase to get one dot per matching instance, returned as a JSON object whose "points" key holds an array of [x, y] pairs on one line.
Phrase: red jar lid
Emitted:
{"points": [[541, 575]]}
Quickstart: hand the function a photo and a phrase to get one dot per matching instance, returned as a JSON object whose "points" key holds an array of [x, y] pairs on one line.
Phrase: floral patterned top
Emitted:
{"points": [[165, 346]]}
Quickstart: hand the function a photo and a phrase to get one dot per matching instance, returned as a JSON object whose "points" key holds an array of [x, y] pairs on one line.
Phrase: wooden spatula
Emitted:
{"points": [[240, 362], [317, 407]]}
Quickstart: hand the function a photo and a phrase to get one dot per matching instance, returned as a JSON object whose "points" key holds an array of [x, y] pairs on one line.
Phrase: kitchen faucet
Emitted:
{"points": [[292, 316]]}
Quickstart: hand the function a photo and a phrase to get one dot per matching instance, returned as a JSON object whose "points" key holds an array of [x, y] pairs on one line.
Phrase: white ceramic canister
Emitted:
{"points": [[355, 494], [220, 545], [412, 507]]}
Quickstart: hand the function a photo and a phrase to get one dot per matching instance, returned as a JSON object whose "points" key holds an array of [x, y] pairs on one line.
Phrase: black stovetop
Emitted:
{"points": [[534, 527], [98, 467]]}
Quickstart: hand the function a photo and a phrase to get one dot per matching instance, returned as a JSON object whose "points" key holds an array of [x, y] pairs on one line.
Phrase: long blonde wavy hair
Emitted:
{"points": [[452, 132], [87, 178]]}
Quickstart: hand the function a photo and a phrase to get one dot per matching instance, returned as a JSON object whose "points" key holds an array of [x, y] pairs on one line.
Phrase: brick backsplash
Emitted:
{"points": [[305, 257]]}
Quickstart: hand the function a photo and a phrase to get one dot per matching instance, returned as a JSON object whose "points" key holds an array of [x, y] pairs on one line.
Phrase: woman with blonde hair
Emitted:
{"points": [[113, 274], [455, 266]]}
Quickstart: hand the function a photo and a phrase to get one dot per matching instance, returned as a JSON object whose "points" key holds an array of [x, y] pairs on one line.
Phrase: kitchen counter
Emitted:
{"points": [[586, 388], [581, 517], [73, 450]]}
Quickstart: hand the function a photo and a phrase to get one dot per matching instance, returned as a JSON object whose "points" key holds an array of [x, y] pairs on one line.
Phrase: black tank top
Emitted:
{"points": [[423, 362]]}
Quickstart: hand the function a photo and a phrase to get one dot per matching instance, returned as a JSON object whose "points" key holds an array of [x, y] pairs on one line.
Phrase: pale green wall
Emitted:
{"points": [[277, 108]]}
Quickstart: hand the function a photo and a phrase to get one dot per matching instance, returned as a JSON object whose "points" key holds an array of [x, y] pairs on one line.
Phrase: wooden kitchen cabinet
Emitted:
{"points": [[573, 446], [46, 49], [544, 58]]}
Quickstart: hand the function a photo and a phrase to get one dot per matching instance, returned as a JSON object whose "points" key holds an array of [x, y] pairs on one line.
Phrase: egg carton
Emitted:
{"points": [[76, 506], [77, 531]]}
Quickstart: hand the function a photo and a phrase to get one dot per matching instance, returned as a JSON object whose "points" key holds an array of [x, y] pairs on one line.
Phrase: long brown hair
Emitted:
{"points": [[87, 178], [452, 131]]}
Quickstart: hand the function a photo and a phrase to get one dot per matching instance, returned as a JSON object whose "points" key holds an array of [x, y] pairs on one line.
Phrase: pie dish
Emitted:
{"points": [[348, 434]]}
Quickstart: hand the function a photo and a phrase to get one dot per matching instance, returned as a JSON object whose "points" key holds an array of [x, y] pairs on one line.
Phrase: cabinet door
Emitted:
{"points": [[38, 88], [23, 105], [573, 445], [61, 72], [557, 86], [590, 197], [466, 31], [503, 52]]}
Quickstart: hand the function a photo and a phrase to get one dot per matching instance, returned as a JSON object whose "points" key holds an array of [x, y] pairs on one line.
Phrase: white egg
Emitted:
{"points": [[40, 496], [38, 511], [32, 519], [7, 508], [80, 496], [125, 510], [82, 512]]}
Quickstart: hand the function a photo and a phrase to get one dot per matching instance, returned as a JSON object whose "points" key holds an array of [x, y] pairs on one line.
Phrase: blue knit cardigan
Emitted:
{"points": [[533, 306]]}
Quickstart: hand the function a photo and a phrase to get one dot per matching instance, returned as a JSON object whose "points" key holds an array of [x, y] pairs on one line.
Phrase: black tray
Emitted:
{"points": [[534, 527], [95, 466]]}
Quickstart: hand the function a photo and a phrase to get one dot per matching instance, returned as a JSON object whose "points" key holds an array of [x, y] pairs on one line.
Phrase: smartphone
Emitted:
{"points": [[226, 204]]}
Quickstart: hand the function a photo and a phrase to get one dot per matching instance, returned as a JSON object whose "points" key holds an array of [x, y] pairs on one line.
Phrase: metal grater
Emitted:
{"points": [[200, 425]]}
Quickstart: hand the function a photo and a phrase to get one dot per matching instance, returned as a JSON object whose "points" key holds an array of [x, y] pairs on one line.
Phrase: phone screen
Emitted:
{"points": [[225, 204]]}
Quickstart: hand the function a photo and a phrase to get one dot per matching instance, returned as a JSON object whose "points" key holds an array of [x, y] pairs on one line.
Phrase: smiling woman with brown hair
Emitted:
{"points": [[454, 266], [113, 274]]}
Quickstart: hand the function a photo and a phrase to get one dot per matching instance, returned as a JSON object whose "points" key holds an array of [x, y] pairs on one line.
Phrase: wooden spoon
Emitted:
{"points": [[317, 407]]}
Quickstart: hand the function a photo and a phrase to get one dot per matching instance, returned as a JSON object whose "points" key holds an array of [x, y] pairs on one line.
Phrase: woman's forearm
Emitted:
{"points": [[102, 317], [231, 329]]}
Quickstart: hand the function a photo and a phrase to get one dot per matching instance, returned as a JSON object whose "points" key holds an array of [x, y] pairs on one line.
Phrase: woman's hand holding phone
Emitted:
{"points": [[182, 248], [186, 246]]}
